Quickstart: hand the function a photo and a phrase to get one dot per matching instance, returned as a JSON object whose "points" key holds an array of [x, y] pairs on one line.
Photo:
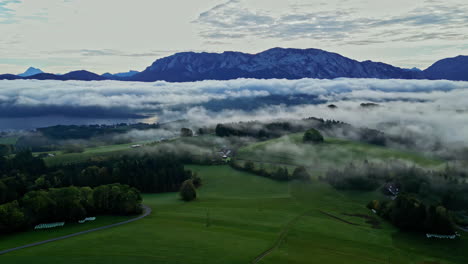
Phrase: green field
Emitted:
{"points": [[237, 217], [333, 153], [63, 158], [23, 238], [8, 140]]}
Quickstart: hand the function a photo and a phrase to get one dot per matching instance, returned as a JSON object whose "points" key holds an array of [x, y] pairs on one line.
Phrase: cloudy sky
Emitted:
{"points": [[119, 35]]}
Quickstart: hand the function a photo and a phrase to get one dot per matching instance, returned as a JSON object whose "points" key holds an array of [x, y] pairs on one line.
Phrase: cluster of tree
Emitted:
{"points": [[206, 130], [312, 136], [332, 128], [68, 204], [186, 132], [90, 131], [362, 178], [72, 138], [411, 214], [280, 174], [446, 188], [18, 174], [6, 149], [149, 173]]}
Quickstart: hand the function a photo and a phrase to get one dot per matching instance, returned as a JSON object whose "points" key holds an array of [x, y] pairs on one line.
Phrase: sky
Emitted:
{"points": [[120, 35]]}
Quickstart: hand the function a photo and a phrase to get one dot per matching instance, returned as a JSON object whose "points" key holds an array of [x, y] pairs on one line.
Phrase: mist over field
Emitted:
{"points": [[435, 109]]}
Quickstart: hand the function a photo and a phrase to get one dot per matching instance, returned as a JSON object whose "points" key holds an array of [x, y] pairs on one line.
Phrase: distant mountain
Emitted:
{"points": [[120, 75], [30, 72], [449, 69], [276, 63], [74, 75], [9, 77], [82, 76], [273, 63]]}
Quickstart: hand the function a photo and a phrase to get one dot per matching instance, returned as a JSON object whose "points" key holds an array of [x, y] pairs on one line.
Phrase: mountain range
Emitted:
{"points": [[276, 63]]}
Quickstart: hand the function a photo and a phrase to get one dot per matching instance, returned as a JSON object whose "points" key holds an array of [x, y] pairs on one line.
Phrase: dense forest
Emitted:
{"points": [[68, 204], [32, 193]]}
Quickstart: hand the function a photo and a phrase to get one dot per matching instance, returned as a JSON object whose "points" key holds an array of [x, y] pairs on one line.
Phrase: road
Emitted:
{"points": [[147, 211]]}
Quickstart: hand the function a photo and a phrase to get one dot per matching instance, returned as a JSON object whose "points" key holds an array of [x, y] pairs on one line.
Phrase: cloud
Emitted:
{"points": [[435, 111], [352, 23]]}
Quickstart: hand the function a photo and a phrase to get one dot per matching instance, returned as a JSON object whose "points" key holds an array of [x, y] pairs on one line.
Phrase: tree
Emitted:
{"points": [[196, 180], [312, 135], [11, 217], [186, 132], [39, 206], [439, 221], [281, 174], [89, 176], [249, 166], [187, 191], [300, 173], [408, 213], [5, 149]]}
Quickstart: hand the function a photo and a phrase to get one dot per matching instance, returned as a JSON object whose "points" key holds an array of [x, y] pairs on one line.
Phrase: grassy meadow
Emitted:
{"points": [[62, 158], [8, 140], [290, 151], [237, 217]]}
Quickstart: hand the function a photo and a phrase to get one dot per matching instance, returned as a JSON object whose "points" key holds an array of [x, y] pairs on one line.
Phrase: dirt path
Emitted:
{"points": [[282, 236], [147, 211]]}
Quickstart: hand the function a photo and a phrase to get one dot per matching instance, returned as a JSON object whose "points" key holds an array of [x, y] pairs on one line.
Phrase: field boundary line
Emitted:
{"points": [[147, 211], [284, 232]]}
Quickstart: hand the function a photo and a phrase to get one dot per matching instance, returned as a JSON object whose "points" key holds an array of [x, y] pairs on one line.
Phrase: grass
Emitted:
{"points": [[236, 217], [8, 140], [32, 236], [109, 150], [289, 150]]}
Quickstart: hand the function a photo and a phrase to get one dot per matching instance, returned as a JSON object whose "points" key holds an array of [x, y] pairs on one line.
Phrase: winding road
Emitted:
{"points": [[147, 211]]}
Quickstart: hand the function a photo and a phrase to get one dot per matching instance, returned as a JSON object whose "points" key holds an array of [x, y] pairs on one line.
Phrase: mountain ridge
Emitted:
{"points": [[275, 63]]}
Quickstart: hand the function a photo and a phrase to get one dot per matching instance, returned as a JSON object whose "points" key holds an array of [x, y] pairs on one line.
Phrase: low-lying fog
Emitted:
{"points": [[436, 109]]}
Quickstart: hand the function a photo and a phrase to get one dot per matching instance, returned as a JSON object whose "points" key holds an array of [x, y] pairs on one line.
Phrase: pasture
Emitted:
{"points": [[239, 216], [291, 151], [8, 140]]}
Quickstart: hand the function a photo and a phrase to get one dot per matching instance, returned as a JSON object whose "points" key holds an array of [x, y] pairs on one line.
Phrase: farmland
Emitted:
{"points": [[237, 216]]}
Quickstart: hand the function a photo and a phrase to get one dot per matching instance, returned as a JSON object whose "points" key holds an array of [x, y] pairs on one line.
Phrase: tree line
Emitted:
{"points": [[280, 174], [411, 214], [148, 173], [262, 130], [430, 201], [68, 204]]}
